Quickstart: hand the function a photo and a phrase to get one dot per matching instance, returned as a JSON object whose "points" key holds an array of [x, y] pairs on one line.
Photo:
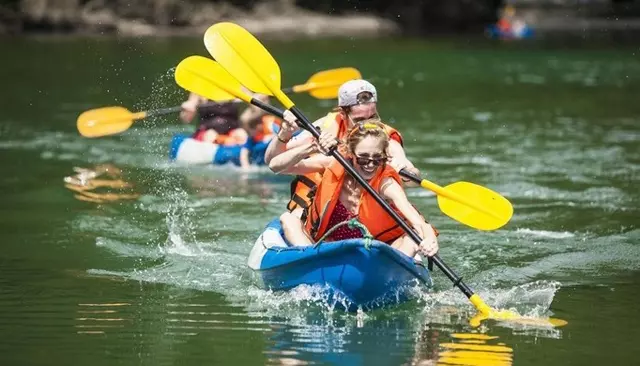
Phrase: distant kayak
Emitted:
{"points": [[185, 149], [511, 32], [352, 273]]}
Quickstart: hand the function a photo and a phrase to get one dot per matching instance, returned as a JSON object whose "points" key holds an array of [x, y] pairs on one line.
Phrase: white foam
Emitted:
{"points": [[546, 234]]}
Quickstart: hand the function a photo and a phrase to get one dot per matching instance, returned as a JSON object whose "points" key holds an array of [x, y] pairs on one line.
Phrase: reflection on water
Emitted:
{"points": [[99, 318], [474, 350], [85, 181], [324, 339]]}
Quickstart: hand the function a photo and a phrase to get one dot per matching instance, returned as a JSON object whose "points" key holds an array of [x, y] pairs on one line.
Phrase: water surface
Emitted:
{"points": [[150, 267]]}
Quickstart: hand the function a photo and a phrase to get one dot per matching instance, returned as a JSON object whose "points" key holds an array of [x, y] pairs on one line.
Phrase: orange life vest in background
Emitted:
{"points": [[234, 137], [381, 225], [303, 186]]}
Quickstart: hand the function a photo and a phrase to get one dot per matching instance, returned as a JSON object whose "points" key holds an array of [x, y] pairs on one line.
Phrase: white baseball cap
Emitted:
{"points": [[348, 92]]}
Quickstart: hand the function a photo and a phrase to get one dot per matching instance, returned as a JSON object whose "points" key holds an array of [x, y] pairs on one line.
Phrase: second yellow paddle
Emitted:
{"points": [[469, 203]]}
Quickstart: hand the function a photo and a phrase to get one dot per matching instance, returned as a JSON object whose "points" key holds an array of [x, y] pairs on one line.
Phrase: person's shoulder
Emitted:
{"points": [[321, 122]]}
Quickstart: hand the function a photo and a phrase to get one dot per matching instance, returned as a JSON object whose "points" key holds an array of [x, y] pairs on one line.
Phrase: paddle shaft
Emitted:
{"points": [[457, 281], [266, 107], [163, 111], [169, 110], [447, 194]]}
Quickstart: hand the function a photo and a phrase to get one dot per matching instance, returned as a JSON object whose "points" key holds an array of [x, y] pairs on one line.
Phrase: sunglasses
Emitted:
{"points": [[375, 160], [365, 98]]}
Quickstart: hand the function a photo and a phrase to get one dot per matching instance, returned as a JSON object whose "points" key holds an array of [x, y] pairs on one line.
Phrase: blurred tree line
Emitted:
{"points": [[412, 16]]}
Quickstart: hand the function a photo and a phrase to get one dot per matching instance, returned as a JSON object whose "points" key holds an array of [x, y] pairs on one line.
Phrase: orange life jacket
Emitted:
{"points": [[381, 225], [234, 137], [303, 187]]}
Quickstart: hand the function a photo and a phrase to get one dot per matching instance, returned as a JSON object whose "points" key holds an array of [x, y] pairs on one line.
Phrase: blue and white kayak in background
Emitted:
{"points": [[351, 273], [184, 149]]}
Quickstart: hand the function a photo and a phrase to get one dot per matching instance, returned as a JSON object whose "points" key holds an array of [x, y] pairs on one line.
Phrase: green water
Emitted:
{"points": [[162, 278]]}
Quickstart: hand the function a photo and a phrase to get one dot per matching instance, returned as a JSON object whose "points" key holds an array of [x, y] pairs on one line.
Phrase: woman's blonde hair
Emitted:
{"points": [[370, 127]]}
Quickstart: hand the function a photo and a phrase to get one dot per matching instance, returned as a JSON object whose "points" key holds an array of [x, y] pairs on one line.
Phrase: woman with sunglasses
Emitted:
{"points": [[339, 197]]}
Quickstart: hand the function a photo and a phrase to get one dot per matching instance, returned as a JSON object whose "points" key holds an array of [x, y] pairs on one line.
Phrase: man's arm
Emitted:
{"points": [[400, 161], [284, 141]]}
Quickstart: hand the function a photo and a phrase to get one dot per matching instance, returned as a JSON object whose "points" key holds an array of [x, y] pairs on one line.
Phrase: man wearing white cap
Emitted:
{"points": [[357, 101]]}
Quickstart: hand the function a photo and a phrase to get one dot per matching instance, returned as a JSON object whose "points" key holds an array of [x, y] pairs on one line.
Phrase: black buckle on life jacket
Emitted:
{"points": [[306, 181], [297, 199]]}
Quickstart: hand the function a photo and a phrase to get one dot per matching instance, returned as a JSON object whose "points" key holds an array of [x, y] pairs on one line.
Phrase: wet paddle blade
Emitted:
{"points": [[485, 312], [245, 58], [515, 318], [481, 207], [106, 121], [204, 76], [325, 84]]}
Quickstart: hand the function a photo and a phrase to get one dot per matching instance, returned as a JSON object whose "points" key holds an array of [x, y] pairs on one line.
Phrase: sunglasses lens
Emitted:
{"points": [[366, 161]]}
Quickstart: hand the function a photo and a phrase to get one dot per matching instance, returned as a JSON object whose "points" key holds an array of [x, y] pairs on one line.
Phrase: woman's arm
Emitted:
{"points": [[392, 191]]}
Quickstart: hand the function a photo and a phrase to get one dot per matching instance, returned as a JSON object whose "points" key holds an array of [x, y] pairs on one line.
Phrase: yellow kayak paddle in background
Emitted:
{"points": [[107, 121]]}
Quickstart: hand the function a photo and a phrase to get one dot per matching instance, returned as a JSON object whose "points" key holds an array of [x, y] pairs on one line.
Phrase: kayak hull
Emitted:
{"points": [[185, 149], [349, 273]]}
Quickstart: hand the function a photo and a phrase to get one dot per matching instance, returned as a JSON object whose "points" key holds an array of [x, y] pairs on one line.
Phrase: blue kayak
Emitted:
{"points": [[184, 149], [353, 274]]}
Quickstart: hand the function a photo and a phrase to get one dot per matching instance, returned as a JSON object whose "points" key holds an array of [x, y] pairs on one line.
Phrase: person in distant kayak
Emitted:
{"points": [[340, 198], [218, 122], [261, 128], [357, 101]]}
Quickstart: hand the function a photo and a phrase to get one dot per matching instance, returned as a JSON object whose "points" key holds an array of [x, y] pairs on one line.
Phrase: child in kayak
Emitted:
{"points": [[261, 129], [339, 197], [219, 123]]}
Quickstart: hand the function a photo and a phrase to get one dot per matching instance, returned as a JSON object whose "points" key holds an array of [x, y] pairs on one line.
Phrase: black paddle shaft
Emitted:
{"points": [[457, 281], [268, 108], [265, 107], [163, 111]]}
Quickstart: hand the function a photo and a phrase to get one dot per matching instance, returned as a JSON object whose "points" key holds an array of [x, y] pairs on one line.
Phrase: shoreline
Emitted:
{"points": [[280, 20]]}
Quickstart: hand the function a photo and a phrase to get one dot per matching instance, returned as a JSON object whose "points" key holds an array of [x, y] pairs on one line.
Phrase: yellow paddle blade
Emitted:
{"points": [[513, 317], [106, 121], [472, 204], [246, 59], [205, 77], [485, 312], [325, 84]]}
